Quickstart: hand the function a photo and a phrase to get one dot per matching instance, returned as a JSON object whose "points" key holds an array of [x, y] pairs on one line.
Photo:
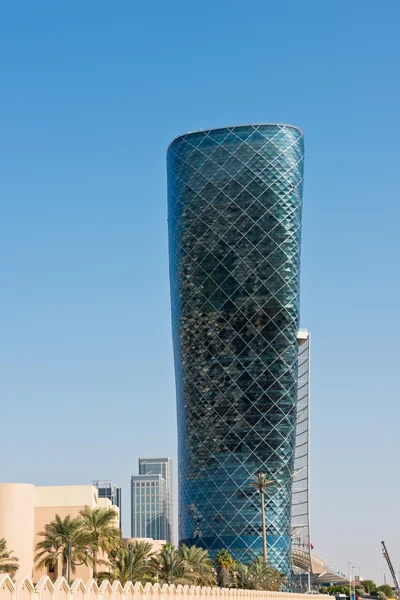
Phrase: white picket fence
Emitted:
{"points": [[45, 589]]}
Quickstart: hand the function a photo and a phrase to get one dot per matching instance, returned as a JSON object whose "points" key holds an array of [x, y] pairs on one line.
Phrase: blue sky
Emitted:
{"points": [[91, 95]]}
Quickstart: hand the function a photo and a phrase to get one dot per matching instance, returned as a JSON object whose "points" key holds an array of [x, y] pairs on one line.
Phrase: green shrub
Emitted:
{"points": [[387, 590]]}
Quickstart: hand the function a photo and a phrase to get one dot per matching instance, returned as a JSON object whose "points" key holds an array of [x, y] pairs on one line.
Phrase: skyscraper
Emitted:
{"points": [[106, 489], [234, 206], [152, 499]]}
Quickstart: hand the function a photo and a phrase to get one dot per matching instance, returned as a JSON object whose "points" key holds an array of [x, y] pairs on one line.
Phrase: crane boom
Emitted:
{"points": [[391, 569]]}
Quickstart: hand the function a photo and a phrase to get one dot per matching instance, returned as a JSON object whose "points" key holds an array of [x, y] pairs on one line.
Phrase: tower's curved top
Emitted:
{"points": [[206, 132]]}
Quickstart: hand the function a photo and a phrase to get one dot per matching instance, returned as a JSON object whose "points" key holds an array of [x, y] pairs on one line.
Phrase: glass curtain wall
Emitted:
{"points": [[234, 209]]}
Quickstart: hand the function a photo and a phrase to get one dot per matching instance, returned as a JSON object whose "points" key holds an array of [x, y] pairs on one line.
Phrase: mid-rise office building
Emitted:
{"points": [[234, 213], [152, 500], [163, 467], [106, 489], [148, 505]]}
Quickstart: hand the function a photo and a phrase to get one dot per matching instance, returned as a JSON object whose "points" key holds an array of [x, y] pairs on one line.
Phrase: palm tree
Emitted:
{"points": [[265, 577], [167, 566], [127, 561], [261, 483], [56, 535], [185, 565], [224, 562], [8, 563], [198, 567], [119, 571], [101, 533], [258, 575], [240, 574]]}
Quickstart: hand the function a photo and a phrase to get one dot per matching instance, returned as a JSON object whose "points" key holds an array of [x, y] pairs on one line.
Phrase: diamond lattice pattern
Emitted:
{"points": [[235, 198]]}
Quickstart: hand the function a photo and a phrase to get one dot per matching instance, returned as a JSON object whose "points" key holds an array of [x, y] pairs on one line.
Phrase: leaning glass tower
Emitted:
{"points": [[234, 203]]}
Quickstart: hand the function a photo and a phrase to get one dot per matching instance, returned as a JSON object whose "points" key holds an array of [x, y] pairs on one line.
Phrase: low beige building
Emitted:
{"points": [[157, 545], [25, 509]]}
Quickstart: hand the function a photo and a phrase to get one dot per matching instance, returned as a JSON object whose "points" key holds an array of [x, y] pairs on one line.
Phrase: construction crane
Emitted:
{"points": [[391, 569]]}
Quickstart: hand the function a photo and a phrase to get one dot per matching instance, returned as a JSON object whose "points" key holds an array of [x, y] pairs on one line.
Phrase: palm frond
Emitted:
{"points": [[261, 482], [8, 563]]}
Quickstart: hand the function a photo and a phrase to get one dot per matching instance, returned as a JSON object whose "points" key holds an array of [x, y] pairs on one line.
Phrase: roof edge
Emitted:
{"points": [[232, 127]]}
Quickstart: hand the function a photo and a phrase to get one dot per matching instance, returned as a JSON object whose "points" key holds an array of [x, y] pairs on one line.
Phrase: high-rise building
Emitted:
{"points": [[301, 542], [152, 499], [148, 505], [234, 206], [163, 467], [106, 489]]}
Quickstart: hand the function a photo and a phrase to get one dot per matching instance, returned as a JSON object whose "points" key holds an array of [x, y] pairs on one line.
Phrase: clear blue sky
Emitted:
{"points": [[91, 95]]}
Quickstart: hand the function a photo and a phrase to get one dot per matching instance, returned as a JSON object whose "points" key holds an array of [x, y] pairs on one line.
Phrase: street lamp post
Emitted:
{"points": [[130, 559], [349, 568], [352, 578], [145, 560], [53, 550]]}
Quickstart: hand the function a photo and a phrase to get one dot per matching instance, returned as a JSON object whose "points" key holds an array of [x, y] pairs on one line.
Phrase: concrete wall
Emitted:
{"points": [[46, 590], [17, 522], [66, 495]]}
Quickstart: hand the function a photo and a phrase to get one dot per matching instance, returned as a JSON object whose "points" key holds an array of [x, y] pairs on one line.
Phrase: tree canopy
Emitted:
{"points": [[387, 590], [95, 530]]}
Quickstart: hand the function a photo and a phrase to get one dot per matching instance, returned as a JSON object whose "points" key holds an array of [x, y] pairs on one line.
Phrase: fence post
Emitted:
{"points": [[25, 590], [78, 590], [7, 588], [44, 589]]}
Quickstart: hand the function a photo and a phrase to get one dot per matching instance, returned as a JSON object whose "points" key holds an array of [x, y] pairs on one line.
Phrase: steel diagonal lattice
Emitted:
{"points": [[234, 202]]}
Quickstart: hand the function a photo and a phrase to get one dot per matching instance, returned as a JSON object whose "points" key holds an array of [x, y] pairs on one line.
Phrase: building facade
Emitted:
{"points": [[234, 212], [149, 507], [156, 545], [25, 510], [163, 467], [301, 541], [106, 489]]}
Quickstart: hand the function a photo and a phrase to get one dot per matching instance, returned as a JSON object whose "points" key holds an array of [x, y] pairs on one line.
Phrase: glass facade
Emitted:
{"points": [[148, 506], [301, 543], [106, 489], [234, 207], [163, 467]]}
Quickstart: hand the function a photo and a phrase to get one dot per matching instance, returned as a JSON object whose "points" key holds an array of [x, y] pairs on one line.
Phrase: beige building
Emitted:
{"points": [[157, 545], [25, 509]]}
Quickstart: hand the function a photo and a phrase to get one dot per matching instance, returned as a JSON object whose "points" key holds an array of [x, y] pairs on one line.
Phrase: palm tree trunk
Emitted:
{"points": [[225, 578], [64, 562], [95, 565], [222, 576], [264, 531]]}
